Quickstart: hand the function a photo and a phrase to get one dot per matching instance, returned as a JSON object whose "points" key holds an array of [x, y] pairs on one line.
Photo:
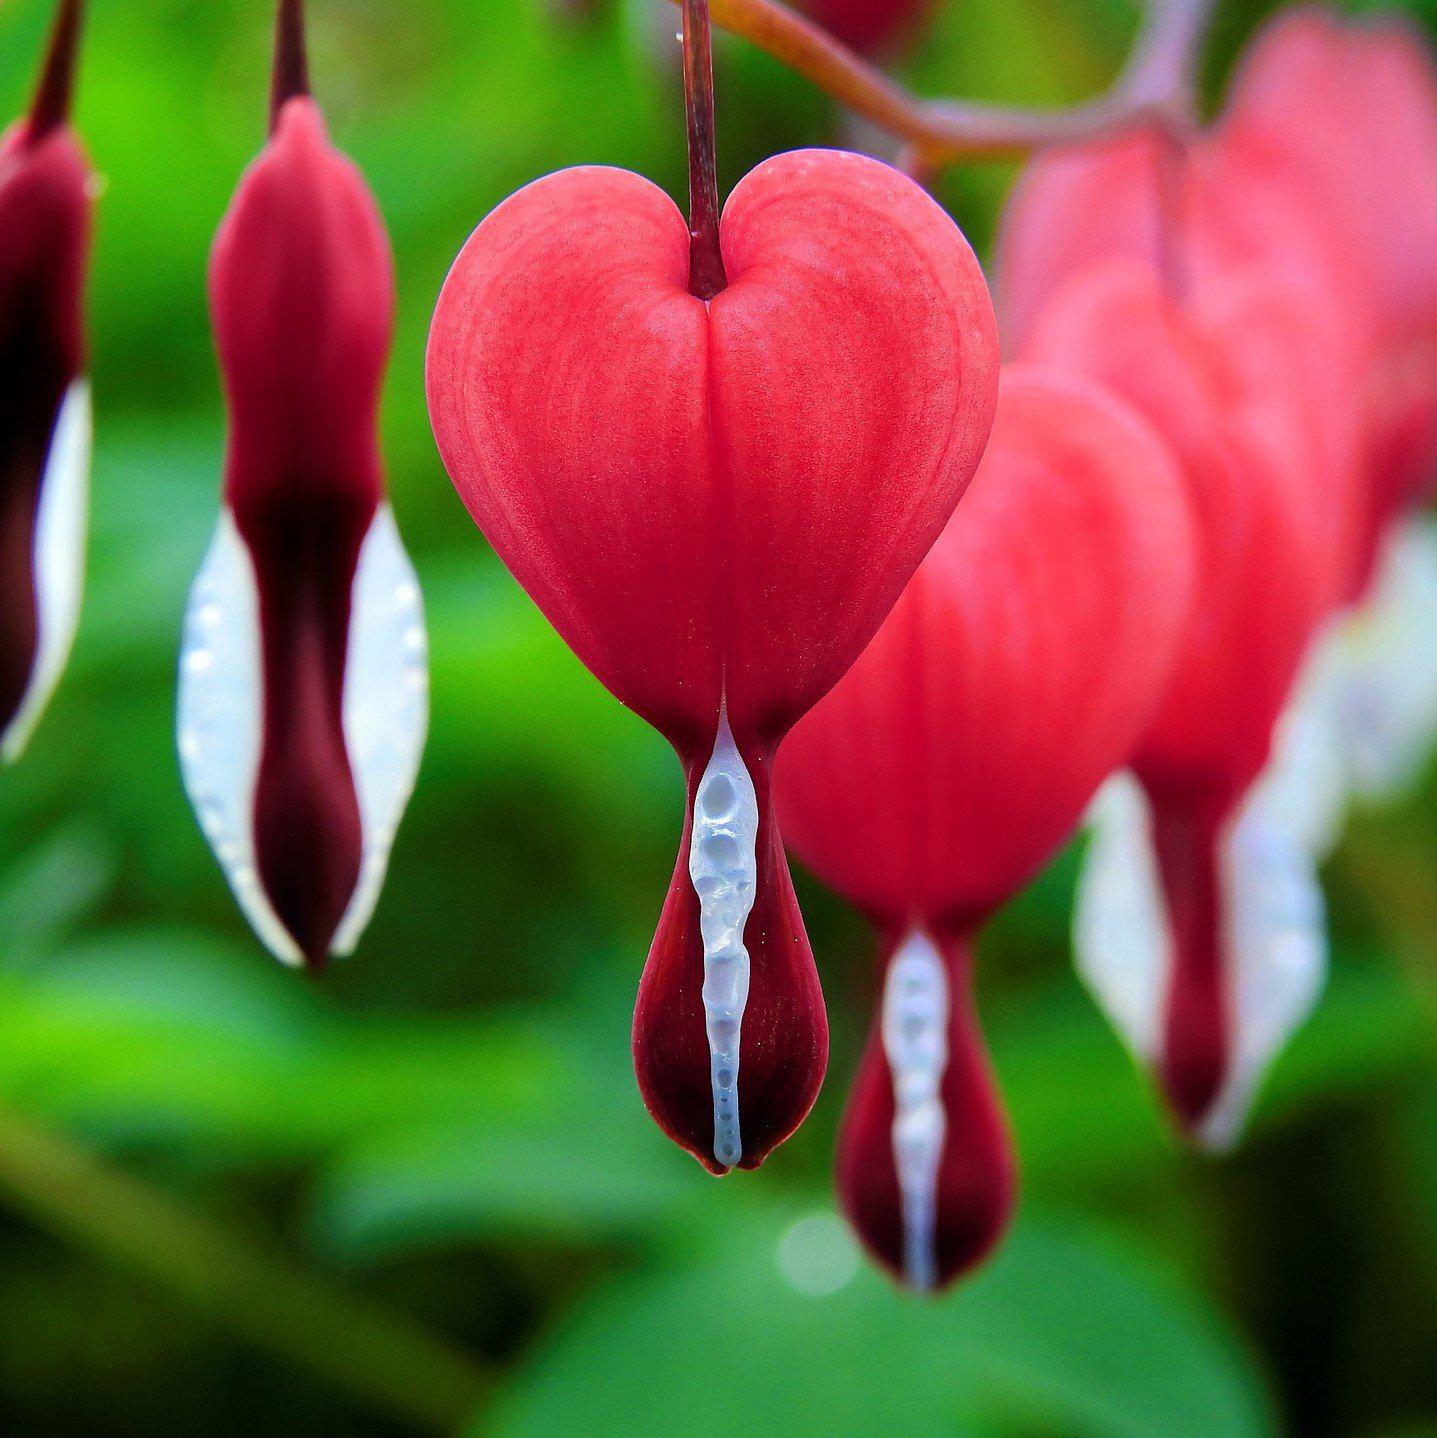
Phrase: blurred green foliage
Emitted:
{"points": [[424, 1193]]}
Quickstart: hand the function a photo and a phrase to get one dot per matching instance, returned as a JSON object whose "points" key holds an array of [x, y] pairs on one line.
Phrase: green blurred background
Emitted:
{"points": [[423, 1195]]}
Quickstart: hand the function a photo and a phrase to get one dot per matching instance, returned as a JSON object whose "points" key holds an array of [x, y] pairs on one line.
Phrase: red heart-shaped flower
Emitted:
{"points": [[716, 503]]}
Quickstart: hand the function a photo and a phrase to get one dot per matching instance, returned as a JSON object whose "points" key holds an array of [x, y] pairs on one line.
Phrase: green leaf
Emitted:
{"points": [[777, 1329]]}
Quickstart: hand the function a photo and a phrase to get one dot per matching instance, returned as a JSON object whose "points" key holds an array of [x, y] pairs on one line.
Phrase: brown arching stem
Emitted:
{"points": [[706, 271], [291, 61], [1156, 86], [55, 90]]}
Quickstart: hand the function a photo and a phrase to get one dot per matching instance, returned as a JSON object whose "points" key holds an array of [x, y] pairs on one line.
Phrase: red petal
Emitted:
{"points": [[1210, 378], [1344, 115], [1016, 672], [731, 494], [868, 26]]}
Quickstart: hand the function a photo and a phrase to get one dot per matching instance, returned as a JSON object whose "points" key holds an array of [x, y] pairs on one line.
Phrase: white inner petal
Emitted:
{"points": [[1384, 663], [1272, 923], [386, 706], [1120, 931], [723, 868], [218, 722], [61, 519], [915, 1041], [1274, 930]]}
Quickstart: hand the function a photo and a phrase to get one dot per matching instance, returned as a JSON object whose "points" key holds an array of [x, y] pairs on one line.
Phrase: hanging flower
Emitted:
{"points": [[945, 768], [45, 221], [1343, 116], [713, 455], [1223, 975], [303, 681]]}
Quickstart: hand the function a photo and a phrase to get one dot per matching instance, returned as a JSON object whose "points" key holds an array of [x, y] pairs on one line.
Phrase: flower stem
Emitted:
{"points": [[56, 88], [356, 1346], [1155, 86], [706, 271], [291, 62]]}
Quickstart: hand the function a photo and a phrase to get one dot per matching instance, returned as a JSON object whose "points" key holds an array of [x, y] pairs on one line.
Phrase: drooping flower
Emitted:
{"points": [[1342, 116], [45, 223], [713, 456], [1223, 966], [303, 696], [1315, 190], [1015, 672]]}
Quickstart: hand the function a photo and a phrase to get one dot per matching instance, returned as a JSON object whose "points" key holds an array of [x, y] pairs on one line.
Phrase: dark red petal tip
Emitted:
{"points": [[56, 88], [925, 1167], [308, 831], [1196, 1044], [291, 61]]}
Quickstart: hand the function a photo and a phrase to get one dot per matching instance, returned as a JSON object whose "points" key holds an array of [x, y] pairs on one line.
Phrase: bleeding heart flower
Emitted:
{"points": [[303, 695], [1210, 376], [45, 221], [713, 459], [1018, 668]]}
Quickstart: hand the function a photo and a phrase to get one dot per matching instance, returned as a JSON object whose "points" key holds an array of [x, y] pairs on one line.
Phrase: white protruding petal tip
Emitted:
{"points": [[386, 707], [218, 723], [1120, 928], [61, 520]]}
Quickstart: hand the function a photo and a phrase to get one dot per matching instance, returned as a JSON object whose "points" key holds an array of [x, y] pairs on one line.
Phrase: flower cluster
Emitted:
{"points": [[730, 458], [1264, 294]]}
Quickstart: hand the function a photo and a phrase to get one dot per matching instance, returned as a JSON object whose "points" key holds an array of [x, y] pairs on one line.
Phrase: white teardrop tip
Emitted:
{"points": [[723, 868], [915, 1040]]}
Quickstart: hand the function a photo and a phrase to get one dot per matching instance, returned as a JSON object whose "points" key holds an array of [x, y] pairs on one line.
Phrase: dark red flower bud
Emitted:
{"points": [[45, 219], [303, 697]]}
